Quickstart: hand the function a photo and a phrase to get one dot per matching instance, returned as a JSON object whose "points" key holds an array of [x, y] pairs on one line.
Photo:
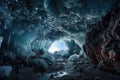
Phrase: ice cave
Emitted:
{"points": [[59, 39]]}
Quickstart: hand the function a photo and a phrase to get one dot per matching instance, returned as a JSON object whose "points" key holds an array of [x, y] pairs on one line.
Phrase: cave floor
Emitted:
{"points": [[88, 72], [83, 71]]}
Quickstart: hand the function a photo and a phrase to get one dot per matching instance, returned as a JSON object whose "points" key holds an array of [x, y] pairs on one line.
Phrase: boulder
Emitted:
{"points": [[74, 58], [5, 71], [39, 65], [48, 57]]}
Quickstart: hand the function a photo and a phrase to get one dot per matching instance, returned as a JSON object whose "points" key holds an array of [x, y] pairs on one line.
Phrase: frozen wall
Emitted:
{"points": [[22, 21]]}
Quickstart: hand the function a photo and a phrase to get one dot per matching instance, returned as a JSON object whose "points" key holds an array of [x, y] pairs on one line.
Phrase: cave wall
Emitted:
{"points": [[73, 47], [22, 21], [102, 44]]}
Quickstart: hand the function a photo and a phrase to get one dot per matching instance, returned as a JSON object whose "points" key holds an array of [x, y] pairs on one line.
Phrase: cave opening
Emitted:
{"points": [[58, 45], [64, 49]]}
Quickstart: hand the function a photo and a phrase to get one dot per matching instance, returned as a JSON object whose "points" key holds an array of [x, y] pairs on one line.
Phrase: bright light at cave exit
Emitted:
{"points": [[57, 46]]}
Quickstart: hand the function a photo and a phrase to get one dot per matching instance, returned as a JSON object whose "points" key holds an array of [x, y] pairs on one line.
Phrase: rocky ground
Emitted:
{"points": [[60, 70]]}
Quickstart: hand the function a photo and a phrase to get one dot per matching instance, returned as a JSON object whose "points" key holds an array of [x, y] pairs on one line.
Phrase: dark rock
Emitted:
{"points": [[102, 43], [74, 48], [39, 65], [48, 57], [5, 71]]}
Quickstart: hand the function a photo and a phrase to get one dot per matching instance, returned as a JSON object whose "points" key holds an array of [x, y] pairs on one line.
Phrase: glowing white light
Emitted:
{"points": [[57, 46]]}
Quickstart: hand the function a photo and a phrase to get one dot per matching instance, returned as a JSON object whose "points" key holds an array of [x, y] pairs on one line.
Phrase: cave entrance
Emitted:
{"points": [[63, 49], [58, 45]]}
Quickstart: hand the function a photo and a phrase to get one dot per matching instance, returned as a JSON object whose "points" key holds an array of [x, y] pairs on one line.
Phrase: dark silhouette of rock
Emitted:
{"points": [[102, 44]]}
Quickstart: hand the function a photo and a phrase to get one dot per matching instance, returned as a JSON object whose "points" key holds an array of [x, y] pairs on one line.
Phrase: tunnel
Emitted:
{"points": [[59, 40]]}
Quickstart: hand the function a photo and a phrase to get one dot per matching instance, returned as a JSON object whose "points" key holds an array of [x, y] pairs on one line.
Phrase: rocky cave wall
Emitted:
{"points": [[102, 44]]}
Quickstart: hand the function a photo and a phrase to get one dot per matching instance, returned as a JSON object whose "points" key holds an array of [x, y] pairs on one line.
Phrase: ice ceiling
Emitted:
{"points": [[25, 24]]}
